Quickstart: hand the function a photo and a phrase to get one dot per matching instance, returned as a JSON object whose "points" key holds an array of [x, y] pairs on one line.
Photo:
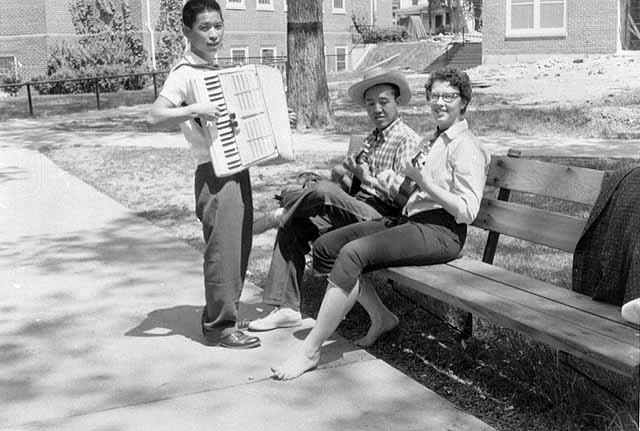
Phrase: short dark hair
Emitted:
{"points": [[457, 78], [192, 8]]}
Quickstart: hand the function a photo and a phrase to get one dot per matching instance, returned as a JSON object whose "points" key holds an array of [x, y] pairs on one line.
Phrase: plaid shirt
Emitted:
{"points": [[390, 148]]}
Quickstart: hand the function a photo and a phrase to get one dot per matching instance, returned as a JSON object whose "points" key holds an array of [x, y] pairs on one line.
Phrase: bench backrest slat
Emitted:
{"points": [[569, 183], [530, 224]]}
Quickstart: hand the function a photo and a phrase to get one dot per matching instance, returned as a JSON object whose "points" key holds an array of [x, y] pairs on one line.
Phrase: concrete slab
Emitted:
{"points": [[99, 329], [360, 396]]}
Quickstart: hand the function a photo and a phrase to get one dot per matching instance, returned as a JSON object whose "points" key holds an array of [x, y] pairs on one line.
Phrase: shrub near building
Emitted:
{"points": [[108, 46]]}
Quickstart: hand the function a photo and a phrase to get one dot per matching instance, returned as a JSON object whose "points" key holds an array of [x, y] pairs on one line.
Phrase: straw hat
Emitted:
{"points": [[377, 76]]}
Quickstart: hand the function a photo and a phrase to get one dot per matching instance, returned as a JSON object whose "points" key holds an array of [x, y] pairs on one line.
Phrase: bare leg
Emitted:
{"points": [[382, 319], [631, 311], [335, 305]]}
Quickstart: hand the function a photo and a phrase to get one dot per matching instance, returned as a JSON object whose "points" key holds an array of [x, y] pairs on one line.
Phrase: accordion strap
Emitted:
{"points": [[195, 66]]}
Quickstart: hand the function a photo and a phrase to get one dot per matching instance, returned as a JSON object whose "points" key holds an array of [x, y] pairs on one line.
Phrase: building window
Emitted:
{"points": [[267, 55], [239, 55], [338, 6], [414, 2], [264, 5], [526, 18], [341, 58], [236, 4], [8, 66]]}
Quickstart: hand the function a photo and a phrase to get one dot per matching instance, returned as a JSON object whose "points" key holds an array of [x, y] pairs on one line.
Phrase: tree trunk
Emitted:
{"points": [[457, 15], [477, 14], [307, 90]]}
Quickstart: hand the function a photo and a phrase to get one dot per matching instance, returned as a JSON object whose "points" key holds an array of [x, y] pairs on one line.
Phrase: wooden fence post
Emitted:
{"points": [[29, 98], [97, 88]]}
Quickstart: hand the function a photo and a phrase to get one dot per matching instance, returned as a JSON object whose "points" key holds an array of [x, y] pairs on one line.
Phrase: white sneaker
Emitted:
{"points": [[278, 318], [631, 311], [270, 220]]}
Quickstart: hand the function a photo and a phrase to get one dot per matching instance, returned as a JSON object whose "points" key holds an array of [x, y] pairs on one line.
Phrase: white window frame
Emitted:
{"points": [[346, 58], [264, 48], [268, 6], [338, 10], [14, 70], [244, 49], [236, 4], [537, 30], [285, 5]]}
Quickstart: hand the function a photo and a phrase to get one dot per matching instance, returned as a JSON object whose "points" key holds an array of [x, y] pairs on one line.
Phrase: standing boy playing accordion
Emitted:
{"points": [[223, 204]]}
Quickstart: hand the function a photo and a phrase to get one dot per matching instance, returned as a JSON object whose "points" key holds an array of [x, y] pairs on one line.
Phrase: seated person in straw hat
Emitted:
{"points": [[388, 147]]}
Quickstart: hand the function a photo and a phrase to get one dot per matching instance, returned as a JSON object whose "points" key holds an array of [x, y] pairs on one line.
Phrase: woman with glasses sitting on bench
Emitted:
{"points": [[449, 176]]}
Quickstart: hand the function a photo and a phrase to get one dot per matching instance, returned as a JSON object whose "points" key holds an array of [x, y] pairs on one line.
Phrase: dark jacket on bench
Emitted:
{"points": [[606, 261]]}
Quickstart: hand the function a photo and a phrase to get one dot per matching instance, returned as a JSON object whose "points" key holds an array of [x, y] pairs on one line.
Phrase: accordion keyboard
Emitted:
{"points": [[225, 128]]}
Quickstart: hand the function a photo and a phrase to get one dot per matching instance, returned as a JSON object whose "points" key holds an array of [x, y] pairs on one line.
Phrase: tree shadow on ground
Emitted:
{"points": [[13, 173]]}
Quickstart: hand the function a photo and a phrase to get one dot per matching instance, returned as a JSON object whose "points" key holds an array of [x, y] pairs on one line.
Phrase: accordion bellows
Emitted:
{"points": [[255, 93]]}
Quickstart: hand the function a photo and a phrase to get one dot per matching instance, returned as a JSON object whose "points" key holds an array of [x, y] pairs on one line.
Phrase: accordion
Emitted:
{"points": [[255, 94]]}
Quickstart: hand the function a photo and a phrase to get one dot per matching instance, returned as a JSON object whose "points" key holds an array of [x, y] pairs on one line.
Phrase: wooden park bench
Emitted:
{"points": [[561, 318]]}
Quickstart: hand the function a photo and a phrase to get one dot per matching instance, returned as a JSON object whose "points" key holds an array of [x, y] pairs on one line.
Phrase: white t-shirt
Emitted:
{"points": [[176, 90]]}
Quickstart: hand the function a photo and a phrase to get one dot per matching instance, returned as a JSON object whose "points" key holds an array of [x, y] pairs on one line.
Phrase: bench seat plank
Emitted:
{"points": [[549, 291], [545, 320]]}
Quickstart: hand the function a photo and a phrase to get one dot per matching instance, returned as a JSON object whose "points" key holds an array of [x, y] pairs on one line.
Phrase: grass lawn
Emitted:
{"points": [[501, 377]]}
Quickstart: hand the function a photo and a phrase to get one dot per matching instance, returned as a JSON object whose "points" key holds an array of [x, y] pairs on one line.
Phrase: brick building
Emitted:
{"points": [[254, 28], [526, 30]]}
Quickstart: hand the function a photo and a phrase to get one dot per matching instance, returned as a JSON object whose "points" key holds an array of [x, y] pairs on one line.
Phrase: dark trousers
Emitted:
{"points": [[303, 207], [224, 206], [426, 238]]}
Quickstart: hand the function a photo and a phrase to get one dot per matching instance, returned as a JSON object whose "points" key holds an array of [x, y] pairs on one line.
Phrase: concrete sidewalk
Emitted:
{"points": [[99, 330]]}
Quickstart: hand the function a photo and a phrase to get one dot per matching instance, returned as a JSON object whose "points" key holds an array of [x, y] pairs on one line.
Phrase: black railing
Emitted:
{"points": [[277, 62]]}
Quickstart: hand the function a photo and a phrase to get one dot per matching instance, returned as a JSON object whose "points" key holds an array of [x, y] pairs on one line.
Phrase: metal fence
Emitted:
{"points": [[156, 78]]}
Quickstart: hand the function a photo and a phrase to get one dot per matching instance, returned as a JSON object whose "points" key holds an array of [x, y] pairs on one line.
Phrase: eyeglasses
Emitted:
{"points": [[446, 97]]}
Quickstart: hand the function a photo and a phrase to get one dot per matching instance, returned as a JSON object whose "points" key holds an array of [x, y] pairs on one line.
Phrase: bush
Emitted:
{"points": [[170, 44], [384, 34], [12, 79], [107, 85], [108, 46]]}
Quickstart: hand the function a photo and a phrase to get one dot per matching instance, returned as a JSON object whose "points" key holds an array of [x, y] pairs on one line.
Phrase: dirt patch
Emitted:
{"points": [[562, 80]]}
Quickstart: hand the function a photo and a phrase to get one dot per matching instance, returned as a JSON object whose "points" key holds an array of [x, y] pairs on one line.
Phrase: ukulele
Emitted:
{"points": [[406, 189], [408, 186]]}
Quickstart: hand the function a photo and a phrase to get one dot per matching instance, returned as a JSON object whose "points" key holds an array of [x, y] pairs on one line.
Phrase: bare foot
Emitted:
{"points": [[631, 311], [296, 365], [378, 327]]}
